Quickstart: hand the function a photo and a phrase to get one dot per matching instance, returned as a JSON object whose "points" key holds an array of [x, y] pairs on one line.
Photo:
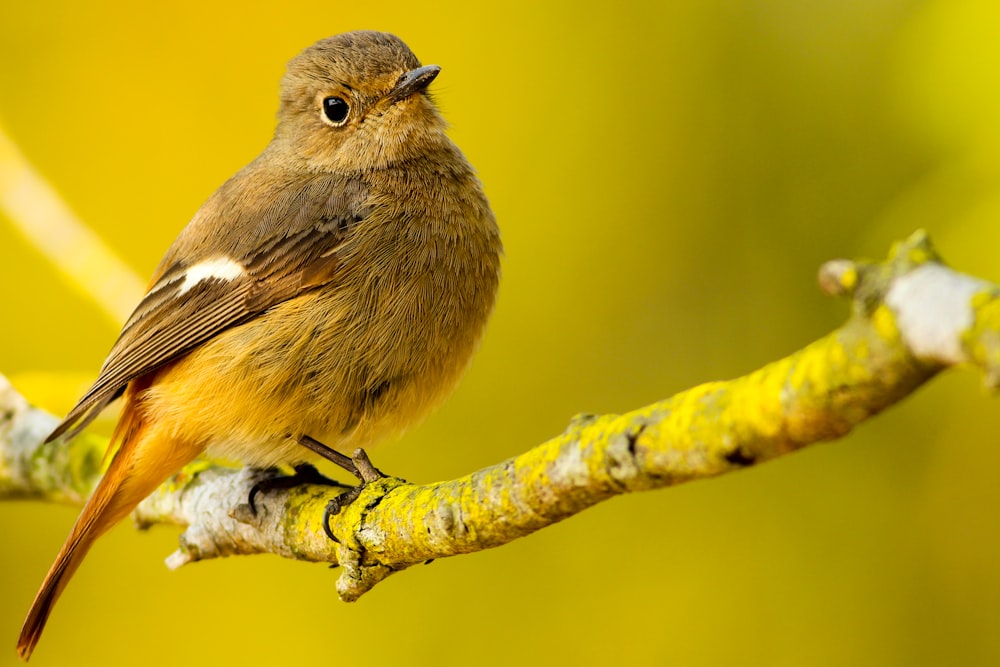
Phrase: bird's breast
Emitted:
{"points": [[362, 357]]}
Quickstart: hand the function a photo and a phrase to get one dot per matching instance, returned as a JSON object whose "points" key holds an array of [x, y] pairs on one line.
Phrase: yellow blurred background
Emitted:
{"points": [[668, 176]]}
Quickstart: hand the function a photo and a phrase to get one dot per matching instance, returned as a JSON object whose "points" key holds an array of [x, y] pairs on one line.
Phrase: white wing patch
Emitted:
{"points": [[218, 268]]}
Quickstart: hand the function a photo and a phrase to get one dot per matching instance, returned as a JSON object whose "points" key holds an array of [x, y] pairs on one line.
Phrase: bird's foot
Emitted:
{"points": [[305, 473], [358, 465]]}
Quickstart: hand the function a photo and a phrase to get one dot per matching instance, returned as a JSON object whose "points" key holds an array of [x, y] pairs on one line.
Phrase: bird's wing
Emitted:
{"points": [[195, 300]]}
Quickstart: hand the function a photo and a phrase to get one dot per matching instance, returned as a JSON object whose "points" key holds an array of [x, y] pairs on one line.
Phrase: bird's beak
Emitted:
{"points": [[413, 82]]}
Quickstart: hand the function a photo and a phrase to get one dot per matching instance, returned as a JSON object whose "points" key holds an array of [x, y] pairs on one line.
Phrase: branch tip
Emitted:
{"points": [[177, 560], [838, 277], [914, 251]]}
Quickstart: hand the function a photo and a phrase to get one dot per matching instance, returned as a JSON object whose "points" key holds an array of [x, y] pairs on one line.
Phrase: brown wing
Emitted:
{"points": [[179, 313]]}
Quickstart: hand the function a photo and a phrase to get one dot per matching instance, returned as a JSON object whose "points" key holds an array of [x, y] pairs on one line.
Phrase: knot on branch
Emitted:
{"points": [[361, 539]]}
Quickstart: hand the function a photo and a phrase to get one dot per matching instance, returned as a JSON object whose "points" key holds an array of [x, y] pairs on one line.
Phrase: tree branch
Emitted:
{"points": [[911, 318]]}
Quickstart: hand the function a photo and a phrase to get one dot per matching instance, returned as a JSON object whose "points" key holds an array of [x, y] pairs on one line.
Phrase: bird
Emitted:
{"points": [[332, 290]]}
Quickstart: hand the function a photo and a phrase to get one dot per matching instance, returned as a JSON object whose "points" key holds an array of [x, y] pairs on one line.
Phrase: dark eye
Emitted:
{"points": [[335, 109]]}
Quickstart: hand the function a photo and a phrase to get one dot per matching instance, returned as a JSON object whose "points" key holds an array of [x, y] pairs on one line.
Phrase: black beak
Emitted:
{"points": [[414, 81]]}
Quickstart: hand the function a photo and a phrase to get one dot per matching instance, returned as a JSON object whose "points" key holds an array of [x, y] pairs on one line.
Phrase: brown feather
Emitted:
{"points": [[300, 256]]}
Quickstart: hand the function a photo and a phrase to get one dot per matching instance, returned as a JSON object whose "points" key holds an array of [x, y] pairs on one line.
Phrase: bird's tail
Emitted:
{"points": [[140, 465]]}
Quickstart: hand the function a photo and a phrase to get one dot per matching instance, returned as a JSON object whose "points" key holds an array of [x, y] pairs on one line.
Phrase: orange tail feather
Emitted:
{"points": [[143, 462]]}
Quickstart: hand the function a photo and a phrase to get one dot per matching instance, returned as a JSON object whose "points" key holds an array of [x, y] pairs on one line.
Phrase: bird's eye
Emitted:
{"points": [[335, 109]]}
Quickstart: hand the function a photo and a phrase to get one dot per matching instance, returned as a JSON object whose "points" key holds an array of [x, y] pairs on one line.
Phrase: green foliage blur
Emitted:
{"points": [[668, 176]]}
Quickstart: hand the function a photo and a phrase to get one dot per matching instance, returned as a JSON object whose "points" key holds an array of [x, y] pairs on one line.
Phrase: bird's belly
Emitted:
{"points": [[314, 370]]}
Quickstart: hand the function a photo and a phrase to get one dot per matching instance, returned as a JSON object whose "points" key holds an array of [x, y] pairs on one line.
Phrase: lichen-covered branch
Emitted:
{"points": [[911, 318], [27, 470]]}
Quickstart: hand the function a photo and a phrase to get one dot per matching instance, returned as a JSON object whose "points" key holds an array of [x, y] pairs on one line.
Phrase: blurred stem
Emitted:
{"points": [[46, 222], [911, 317]]}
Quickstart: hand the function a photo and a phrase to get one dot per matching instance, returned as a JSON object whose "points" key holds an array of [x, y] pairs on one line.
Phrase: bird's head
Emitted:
{"points": [[357, 102]]}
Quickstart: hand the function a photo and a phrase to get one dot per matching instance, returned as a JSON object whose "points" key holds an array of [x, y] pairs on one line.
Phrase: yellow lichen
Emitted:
{"points": [[849, 278], [884, 323]]}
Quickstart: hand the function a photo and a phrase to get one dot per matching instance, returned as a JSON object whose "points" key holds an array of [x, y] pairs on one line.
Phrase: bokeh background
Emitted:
{"points": [[668, 175]]}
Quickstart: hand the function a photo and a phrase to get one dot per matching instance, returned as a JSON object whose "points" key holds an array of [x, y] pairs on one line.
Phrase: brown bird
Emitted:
{"points": [[335, 288]]}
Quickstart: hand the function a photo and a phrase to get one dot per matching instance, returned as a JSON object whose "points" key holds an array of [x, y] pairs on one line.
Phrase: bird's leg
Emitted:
{"points": [[358, 465], [305, 473], [330, 454]]}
